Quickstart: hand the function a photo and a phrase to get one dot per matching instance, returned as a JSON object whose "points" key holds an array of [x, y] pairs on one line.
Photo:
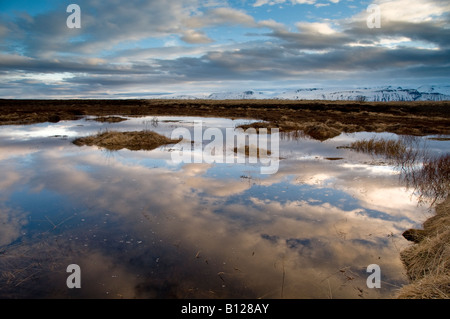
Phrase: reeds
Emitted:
{"points": [[432, 181], [391, 149], [428, 176]]}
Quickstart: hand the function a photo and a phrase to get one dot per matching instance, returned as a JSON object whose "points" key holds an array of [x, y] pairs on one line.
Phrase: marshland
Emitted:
{"points": [[92, 182]]}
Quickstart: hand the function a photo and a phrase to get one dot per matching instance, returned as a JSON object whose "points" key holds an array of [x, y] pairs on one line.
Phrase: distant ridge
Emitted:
{"points": [[374, 94]]}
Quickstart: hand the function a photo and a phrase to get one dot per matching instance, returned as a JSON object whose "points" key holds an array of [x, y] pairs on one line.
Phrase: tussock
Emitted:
{"points": [[109, 119], [316, 130], [321, 131], [134, 141]]}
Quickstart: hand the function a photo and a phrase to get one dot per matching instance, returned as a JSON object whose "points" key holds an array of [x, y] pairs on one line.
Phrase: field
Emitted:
{"points": [[319, 119]]}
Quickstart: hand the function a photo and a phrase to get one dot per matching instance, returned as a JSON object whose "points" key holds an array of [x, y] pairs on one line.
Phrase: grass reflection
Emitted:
{"points": [[428, 175]]}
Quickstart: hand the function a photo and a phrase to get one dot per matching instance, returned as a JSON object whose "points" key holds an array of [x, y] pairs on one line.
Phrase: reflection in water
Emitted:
{"points": [[428, 174], [140, 226]]}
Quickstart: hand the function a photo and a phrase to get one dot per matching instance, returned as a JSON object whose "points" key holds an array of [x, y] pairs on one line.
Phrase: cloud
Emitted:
{"points": [[120, 49], [104, 25], [417, 12], [315, 27], [11, 224], [221, 16], [192, 36], [233, 224], [259, 3]]}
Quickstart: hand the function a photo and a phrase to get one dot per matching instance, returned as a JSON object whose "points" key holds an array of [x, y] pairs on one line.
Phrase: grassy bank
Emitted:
{"points": [[427, 261]]}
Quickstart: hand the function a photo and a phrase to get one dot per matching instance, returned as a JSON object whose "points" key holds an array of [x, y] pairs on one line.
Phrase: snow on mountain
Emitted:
{"points": [[384, 94], [377, 94], [237, 95]]}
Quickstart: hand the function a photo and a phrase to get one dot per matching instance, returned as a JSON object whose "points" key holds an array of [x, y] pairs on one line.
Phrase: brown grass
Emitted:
{"points": [[428, 261], [391, 149], [319, 119], [112, 140], [432, 181], [252, 151], [316, 130], [109, 119]]}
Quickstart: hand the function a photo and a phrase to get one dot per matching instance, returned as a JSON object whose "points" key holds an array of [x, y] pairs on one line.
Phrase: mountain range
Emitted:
{"points": [[370, 94]]}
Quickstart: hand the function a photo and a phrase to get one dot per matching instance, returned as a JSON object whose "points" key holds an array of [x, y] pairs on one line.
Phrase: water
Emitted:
{"points": [[141, 226]]}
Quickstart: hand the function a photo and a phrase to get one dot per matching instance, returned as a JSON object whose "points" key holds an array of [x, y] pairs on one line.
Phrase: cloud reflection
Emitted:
{"points": [[156, 231]]}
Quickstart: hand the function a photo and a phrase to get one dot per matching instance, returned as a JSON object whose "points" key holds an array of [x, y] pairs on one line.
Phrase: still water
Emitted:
{"points": [[141, 226]]}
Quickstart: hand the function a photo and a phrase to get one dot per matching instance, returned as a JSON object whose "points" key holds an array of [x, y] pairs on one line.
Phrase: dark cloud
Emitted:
{"points": [[104, 54]]}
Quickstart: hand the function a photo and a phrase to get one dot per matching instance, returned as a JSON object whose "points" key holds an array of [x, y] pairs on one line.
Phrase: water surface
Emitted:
{"points": [[141, 226]]}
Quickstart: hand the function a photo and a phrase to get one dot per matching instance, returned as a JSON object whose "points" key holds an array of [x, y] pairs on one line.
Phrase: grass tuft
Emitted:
{"points": [[134, 141]]}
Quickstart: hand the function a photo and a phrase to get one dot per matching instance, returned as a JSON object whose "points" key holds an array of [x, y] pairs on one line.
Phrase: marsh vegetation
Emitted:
{"points": [[134, 141], [319, 119]]}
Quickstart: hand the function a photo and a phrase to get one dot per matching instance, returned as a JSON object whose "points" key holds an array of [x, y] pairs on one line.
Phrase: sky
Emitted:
{"points": [[147, 48]]}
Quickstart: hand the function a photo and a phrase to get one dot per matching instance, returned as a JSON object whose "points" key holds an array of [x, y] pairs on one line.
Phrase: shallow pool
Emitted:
{"points": [[140, 225]]}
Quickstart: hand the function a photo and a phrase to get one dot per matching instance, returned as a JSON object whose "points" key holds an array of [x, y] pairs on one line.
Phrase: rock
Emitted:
{"points": [[414, 235]]}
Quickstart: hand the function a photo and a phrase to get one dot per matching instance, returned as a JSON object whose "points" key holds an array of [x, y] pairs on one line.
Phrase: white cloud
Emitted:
{"points": [[408, 11], [315, 27], [220, 16], [272, 24], [318, 5], [259, 3], [195, 37]]}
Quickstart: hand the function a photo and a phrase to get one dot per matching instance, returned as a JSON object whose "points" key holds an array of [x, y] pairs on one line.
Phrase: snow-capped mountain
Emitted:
{"points": [[238, 95], [377, 94], [383, 94]]}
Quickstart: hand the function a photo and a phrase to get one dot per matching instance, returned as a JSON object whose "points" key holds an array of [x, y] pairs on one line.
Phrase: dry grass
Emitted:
{"points": [[428, 261], [252, 151], [321, 131], [432, 181], [316, 130], [319, 119], [109, 119], [429, 176], [391, 149], [113, 140]]}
